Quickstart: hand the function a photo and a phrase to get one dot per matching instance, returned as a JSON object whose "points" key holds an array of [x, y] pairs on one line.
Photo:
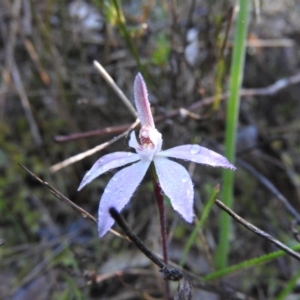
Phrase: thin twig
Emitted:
{"points": [[36, 60], [12, 66], [295, 230], [25, 103], [273, 88], [259, 43], [88, 134], [64, 199], [80, 156], [270, 186], [258, 231], [186, 113], [60, 196], [169, 272], [270, 90], [117, 90]]}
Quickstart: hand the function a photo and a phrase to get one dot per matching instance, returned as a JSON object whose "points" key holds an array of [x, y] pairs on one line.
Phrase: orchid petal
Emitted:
{"points": [[176, 183], [199, 155], [118, 193], [133, 143], [106, 163], [141, 101]]}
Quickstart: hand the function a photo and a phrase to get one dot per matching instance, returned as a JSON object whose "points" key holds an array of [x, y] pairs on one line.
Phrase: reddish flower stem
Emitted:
{"points": [[162, 220], [161, 210]]}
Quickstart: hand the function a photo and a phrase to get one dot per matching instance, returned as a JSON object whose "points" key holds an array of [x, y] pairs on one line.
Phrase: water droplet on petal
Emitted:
{"points": [[129, 154], [195, 149], [183, 180]]}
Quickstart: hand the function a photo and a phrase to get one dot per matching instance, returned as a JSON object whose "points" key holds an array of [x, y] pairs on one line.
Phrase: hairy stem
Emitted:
{"points": [[161, 210], [160, 204]]}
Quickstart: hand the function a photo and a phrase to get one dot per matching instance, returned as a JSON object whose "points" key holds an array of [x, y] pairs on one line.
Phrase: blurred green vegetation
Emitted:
{"points": [[52, 252]]}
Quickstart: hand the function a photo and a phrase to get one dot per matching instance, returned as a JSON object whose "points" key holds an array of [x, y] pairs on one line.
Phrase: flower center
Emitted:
{"points": [[145, 138]]}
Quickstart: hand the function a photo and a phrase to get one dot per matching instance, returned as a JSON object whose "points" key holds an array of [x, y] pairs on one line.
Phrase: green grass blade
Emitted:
{"points": [[236, 74], [123, 28], [289, 286], [199, 225], [249, 263]]}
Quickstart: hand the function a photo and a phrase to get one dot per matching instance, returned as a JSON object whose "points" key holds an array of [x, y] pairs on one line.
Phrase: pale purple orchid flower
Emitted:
{"points": [[173, 178]]}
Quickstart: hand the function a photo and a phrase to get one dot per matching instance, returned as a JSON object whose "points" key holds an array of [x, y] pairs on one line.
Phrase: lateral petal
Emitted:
{"points": [[118, 193], [199, 155], [176, 183], [133, 143], [106, 163]]}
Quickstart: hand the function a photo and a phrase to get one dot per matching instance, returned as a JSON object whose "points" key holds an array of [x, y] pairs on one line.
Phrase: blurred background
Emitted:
{"points": [[49, 88]]}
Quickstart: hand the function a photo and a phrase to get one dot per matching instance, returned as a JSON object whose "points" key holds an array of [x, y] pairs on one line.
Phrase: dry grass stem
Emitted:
{"points": [[80, 156]]}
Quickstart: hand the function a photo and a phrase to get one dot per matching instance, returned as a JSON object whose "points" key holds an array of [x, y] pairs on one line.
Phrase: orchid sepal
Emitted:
{"points": [[176, 183], [107, 163], [198, 154], [118, 192]]}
